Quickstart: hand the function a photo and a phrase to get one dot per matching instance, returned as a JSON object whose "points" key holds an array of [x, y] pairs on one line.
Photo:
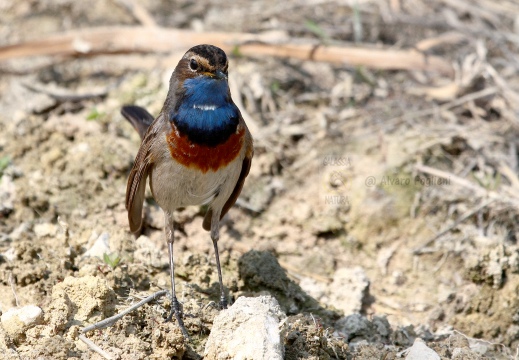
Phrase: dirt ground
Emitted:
{"points": [[390, 194]]}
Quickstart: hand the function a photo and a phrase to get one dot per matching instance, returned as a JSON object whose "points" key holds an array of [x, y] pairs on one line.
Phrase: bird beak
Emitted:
{"points": [[220, 75]]}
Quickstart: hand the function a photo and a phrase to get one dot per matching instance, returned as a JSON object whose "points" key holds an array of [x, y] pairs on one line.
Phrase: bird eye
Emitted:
{"points": [[193, 65]]}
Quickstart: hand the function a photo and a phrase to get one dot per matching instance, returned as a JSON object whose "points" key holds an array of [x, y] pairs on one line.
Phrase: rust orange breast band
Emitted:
{"points": [[204, 158]]}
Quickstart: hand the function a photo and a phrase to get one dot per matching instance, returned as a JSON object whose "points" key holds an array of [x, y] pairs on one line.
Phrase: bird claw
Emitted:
{"points": [[223, 303], [176, 309]]}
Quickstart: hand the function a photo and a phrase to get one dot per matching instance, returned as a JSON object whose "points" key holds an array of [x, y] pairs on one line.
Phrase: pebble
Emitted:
{"points": [[420, 351], [45, 229], [249, 329], [350, 288], [101, 246], [16, 321]]}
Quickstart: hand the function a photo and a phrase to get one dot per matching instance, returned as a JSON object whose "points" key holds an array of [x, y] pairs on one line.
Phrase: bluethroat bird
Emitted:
{"points": [[198, 151]]}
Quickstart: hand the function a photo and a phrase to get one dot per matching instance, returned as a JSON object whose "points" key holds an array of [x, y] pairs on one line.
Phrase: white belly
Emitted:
{"points": [[174, 185]]}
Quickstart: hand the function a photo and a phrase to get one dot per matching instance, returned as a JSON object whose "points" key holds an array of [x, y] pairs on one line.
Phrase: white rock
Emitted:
{"points": [[100, 247], [45, 229], [10, 254], [478, 346], [249, 329], [350, 287], [420, 351], [314, 288], [27, 314], [81, 148], [16, 321]]}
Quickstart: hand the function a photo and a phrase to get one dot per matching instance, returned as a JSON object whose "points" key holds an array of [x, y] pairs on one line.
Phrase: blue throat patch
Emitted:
{"points": [[206, 114]]}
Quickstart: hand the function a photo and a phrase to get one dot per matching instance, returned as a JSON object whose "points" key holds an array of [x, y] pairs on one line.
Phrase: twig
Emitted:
{"points": [[490, 197], [511, 95], [462, 218], [440, 263], [503, 346], [448, 106], [465, 183], [451, 37], [110, 40], [13, 289], [470, 97], [112, 320], [451, 177], [505, 170], [94, 347]]}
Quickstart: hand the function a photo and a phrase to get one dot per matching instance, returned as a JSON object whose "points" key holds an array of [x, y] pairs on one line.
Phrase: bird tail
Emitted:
{"points": [[139, 117]]}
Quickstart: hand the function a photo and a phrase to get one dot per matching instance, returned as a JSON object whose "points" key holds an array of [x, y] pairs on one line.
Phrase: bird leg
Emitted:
{"points": [[215, 235], [176, 310]]}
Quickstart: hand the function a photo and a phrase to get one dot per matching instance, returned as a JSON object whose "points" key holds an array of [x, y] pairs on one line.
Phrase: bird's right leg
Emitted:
{"points": [[169, 228], [215, 236]]}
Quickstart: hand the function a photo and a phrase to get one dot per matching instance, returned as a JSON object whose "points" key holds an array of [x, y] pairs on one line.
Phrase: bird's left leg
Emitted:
{"points": [[215, 236]]}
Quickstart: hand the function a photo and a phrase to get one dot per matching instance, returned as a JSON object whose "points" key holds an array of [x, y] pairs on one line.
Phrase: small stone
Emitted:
{"points": [[100, 247], [249, 329], [420, 351], [353, 326], [382, 326], [16, 321], [350, 289], [45, 229]]}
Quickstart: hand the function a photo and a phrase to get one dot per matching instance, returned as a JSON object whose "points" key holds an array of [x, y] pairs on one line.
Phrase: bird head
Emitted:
{"points": [[199, 101], [199, 80], [206, 61]]}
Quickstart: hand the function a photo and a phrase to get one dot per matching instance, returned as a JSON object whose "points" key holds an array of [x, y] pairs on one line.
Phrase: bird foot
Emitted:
{"points": [[176, 310], [223, 303]]}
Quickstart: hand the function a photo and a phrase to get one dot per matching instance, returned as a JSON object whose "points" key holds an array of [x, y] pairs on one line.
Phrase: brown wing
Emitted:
{"points": [[239, 184], [136, 187]]}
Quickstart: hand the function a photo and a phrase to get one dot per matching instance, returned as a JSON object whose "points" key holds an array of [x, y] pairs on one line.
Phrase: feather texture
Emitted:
{"points": [[206, 115]]}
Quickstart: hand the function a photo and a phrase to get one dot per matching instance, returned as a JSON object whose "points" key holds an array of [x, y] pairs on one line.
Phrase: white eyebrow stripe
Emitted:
{"points": [[205, 107]]}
